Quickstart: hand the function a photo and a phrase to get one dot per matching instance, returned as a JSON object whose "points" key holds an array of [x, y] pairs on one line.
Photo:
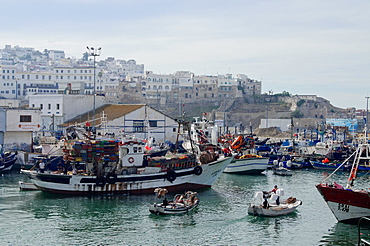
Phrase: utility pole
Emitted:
{"points": [[94, 52], [367, 113]]}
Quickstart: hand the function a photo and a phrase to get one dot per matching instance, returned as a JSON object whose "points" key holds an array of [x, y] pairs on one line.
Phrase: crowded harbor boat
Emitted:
{"points": [[101, 166], [268, 204], [181, 203]]}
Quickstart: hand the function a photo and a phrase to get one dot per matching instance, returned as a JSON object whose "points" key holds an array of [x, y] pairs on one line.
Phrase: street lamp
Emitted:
{"points": [[367, 106], [94, 52]]}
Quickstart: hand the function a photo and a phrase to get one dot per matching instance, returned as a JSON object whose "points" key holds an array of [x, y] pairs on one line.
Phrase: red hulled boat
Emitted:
{"points": [[348, 204]]}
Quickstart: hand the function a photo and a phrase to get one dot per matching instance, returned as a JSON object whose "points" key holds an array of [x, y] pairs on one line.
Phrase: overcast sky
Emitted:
{"points": [[303, 47]]}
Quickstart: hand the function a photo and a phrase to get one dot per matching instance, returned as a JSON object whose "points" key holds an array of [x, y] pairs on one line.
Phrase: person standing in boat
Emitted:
{"points": [[274, 189], [42, 166]]}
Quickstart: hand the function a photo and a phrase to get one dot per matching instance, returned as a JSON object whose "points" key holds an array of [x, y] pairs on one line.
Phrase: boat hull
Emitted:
{"points": [[7, 164], [348, 206], [282, 171], [26, 186], [135, 184], [329, 167], [247, 166]]}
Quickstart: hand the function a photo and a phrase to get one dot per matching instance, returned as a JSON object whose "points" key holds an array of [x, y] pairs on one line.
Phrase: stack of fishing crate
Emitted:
{"points": [[88, 150]]}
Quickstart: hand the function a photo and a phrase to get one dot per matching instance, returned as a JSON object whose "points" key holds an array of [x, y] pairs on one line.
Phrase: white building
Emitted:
{"points": [[8, 82], [17, 126], [139, 120], [59, 108], [155, 84], [184, 78], [56, 55]]}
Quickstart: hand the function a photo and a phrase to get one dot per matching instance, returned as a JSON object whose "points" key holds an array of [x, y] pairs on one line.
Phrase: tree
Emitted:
{"points": [[297, 114], [85, 56], [300, 102]]}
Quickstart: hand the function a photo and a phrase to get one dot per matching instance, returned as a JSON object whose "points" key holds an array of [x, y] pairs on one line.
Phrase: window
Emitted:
{"points": [[41, 106], [153, 123], [58, 106], [49, 106], [138, 125], [25, 118]]}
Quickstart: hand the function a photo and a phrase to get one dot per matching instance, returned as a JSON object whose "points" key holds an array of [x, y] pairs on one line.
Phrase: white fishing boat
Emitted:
{"points": [[116, 167], [248, 164], [282, 171], [271, 205], [181, 203]]}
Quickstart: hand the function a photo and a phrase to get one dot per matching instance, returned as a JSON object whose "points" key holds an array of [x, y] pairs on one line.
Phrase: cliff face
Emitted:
{"points": [[310, 109], [249, 110]]}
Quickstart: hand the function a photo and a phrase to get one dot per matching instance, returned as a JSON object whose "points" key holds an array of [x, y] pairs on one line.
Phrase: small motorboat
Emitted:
{"points": [[182, 203], [271, 206], [27, 186], [282, 171]]}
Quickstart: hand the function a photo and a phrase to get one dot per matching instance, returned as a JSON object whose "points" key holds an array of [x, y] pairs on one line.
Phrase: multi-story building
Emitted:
{"points": [[58, 108]]}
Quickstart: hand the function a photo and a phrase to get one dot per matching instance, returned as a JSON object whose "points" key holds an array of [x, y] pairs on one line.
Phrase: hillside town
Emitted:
{"points": [[43, 92]]}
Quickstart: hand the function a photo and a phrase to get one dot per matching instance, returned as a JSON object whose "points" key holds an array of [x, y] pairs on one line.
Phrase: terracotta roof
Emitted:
{"points": [[112, 111]]}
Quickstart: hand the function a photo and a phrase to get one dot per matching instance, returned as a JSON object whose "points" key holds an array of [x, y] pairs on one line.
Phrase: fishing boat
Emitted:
{"points": [[181, 203], [329, 165], [7, 161], [248, 164], [271, 206], [348, 203], [118, 167]]}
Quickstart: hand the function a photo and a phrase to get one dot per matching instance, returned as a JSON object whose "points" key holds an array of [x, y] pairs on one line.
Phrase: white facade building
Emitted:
{"points": [[154, 84], [59, 108], [17, 126], [8, 82], [56, 55], [139, 120]]}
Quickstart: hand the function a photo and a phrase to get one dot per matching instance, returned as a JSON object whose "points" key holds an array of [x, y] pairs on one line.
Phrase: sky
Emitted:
{"points": [[303, 47]]}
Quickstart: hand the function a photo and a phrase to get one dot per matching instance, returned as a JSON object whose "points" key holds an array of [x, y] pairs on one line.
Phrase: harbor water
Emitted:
{"points": [[37, 218]]}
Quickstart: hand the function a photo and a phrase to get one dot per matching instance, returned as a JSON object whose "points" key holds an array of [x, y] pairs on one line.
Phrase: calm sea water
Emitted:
{"points": [[36, 218]]}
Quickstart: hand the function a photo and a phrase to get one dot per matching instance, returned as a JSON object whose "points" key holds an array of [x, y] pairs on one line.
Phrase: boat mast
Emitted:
{"points": [[362, 152]]}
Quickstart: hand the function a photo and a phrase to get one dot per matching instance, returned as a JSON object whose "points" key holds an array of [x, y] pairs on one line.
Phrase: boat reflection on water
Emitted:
{"points": [[344, 234]]}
